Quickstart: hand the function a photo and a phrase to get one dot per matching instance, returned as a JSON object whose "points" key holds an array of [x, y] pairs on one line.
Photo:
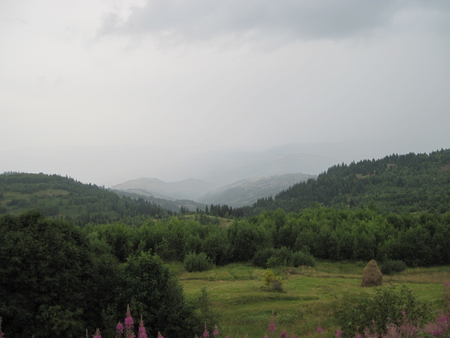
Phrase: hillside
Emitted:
{"points": [[190, 189], [396, 183], [248, 191], [169, 204], [65, 197]]}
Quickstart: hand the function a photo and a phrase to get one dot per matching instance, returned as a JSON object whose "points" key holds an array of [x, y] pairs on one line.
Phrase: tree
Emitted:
{"points": [[153, 291], [46, 277]]}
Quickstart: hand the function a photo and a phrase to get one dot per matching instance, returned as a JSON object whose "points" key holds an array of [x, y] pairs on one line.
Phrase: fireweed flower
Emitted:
{"points": [[129, 324], [319, 329], [119, 330], [2, 335], [283, 334], [272, 326], [338, 333], [97, 334], [206, 332], [142, 333], [358, 336], [216, 331]]}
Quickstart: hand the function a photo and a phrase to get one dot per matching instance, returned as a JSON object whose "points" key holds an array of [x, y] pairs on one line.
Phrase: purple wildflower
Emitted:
{"points": [[206, 332], [129, 324], [272, 326], [294, 336], [319, 329], [283, 334], [216, 331], [97, 334], [358, 336], [142, 333], [119, 330], [338, 333], [2, 335]]}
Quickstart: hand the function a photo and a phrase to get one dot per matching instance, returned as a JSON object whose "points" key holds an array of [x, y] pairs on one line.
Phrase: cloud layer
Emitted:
{"points": [[223, 74]]}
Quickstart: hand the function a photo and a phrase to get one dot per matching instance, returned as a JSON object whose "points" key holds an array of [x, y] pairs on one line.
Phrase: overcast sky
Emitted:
{"points": [[223, 73]]}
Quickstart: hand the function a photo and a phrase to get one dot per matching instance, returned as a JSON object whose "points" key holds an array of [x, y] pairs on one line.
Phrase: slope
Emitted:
{"points": [[65, 197], [395, 183], [248, 191]]}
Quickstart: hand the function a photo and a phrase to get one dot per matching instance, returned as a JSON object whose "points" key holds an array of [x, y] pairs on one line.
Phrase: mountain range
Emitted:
{"points": [[241, 193]]}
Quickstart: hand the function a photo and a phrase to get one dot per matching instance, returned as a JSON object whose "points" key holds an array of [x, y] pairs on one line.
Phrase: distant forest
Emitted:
{"points": [[397, 183], [74, 201]]}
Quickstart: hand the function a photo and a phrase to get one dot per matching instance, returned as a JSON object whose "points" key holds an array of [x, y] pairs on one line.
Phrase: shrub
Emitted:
{"points": [[303, 258], [197, 262], [269, 277], [275, 261], [390, 267], [272, 258], [375, 313], [262, 256], [277, 285]]}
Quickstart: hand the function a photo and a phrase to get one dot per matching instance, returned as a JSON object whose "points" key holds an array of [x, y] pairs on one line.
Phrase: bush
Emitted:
{"points": [[197, 262], [269, 277], [390, 267], [262, 256], [277, 285], [272, 258], [374, 313], [303, 258]]}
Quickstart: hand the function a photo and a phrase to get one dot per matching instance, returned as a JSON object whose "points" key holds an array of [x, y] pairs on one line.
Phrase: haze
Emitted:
{"points": [[106, 91]]}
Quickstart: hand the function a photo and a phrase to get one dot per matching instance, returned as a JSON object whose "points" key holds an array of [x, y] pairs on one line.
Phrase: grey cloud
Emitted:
{"points": [[305, 19]]}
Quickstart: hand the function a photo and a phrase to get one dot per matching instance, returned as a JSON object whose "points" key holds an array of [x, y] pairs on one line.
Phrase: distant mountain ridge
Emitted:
{"points": [[189, 189], [397, 183], [248, 191]]}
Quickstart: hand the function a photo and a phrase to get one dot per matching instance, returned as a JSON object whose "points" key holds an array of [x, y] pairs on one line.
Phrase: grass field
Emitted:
{"points": [[238, 293]]}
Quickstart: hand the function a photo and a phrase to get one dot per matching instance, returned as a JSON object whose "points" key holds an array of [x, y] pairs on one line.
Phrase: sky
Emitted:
{"points": [[222, 74]]}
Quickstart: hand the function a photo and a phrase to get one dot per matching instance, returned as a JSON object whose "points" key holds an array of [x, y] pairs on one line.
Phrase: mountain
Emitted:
{"points": [[248, 191], [396, 183], [169, 204], [59, 196], [189, 189]]}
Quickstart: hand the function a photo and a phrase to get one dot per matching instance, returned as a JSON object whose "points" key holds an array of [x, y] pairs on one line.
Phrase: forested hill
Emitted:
{"points": [[396, 183], [65, 197]]}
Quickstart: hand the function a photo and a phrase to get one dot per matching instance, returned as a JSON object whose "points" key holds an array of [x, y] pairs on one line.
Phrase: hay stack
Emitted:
{"points": [[372, 275]]}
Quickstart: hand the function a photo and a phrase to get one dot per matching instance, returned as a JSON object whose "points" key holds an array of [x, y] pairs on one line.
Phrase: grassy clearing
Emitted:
{"points": [[238, 293]]}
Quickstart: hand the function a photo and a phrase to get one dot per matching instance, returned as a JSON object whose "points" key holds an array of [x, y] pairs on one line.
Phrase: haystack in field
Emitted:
{"points": [[372, 275]]}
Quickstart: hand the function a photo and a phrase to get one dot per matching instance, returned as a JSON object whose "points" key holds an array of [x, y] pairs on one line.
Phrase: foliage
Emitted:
{"points": [[197, 262], [207, 315], [47, 274], [277, 284], [357, 314], [396, 183], [154, 292], [300, 258], [269, 277], [77, 202], [390, 267]]}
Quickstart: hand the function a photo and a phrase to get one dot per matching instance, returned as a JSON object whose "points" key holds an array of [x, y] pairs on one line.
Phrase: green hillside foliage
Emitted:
{"points": [[397, 183], [65, 197], [52, 271], [56, 280], [316, 232]]}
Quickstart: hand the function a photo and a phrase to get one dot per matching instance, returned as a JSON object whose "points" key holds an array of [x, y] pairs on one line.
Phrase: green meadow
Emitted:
{"points": [[309, 295]]}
